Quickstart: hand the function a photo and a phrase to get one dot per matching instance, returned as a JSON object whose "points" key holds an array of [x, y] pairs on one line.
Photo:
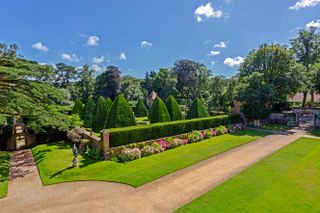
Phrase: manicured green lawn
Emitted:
{"points": [[142, 120], [4, 173], [275, 127], [287, 181], [54, 161]]}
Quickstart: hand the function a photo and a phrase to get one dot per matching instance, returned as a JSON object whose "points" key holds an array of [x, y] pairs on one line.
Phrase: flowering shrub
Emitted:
{"points": [[147, 151], [135, 151], [75, 134], [222, 130], [206, 134], [195, 136], [164, 144], [128, 154], [157, 148]]}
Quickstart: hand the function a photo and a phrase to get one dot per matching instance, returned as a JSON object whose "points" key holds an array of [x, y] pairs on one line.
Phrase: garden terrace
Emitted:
{"points": [[127, 135], [53, 161]]}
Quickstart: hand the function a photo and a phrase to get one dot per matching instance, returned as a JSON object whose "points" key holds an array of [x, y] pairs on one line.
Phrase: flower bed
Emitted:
{"points": [[138, 150]]}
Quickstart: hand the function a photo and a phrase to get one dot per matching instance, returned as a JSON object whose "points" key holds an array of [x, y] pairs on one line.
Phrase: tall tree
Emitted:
{"points": [[193, 78], [164, 83], [85, 83], [21, 90], [100, 115], [65, 75], [87, 112], [307, 51], [274, 68], [147, 83], [221, 93], [108, 83], [131, 88]]}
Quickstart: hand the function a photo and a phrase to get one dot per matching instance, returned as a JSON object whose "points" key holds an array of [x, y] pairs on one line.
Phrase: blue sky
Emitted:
{"points": [[144, 35]]}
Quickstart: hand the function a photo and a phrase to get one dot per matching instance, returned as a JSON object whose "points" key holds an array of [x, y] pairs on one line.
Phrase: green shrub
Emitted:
{"points": [[109, 102], [140, 110], [173, 108], [100, 115], [120, 114], [78, 107], [197, 110], [109, 105], [127, 135], [159, 112], [87, 112]]}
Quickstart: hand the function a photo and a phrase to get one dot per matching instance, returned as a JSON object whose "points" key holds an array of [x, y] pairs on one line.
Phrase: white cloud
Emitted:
{"points": [[40, 46], [93, 41], [98, 60], [304, 4], [70, 57], [232, 62], [221, 44], [123, 56], [315, 24], [146, 44], [213, 63], [213, 53], [97, 68], [207, 11]]}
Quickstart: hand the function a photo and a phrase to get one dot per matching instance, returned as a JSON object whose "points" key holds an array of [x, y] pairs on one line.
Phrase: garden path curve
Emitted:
{"points": [[26, 193]]}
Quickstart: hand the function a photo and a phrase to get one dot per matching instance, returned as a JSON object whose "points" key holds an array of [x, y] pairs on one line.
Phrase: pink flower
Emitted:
{"points": [[164, 144], [203, 134]]}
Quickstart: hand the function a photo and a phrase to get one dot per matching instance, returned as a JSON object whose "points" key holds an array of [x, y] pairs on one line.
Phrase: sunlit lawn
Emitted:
{"points": [[287, 181], [54, 161]]}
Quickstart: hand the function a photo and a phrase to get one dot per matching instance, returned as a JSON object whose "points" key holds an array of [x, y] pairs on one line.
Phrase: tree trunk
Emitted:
{"points": [[312, 98], [304, 99]]}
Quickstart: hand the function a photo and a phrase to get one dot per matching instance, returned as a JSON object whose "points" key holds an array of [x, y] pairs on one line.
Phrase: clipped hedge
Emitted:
{"points": [[127, 135], [159, 112], [100, 115], [197, 110], [120, 114], [140, 110], [87, 112], [173, 108], [78, 107]]}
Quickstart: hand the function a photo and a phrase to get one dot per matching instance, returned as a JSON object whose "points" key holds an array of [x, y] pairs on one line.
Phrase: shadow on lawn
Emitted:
{"points": [[40, 155]]}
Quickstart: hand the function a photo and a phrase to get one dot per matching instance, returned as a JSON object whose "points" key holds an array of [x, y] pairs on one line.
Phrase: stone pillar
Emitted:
{"points": [[105, 135]]}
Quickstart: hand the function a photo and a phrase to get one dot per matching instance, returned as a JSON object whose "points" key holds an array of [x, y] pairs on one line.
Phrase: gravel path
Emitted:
{"points": [[26, 193]]}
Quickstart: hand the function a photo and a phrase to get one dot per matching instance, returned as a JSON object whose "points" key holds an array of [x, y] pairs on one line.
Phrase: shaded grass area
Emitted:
{"points": [[54, 161], [275, 127], [287, 181], [4, 173], [315, 132]]}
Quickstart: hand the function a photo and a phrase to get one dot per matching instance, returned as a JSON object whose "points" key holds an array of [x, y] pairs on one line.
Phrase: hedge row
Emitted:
{"points": [[127, 135]]}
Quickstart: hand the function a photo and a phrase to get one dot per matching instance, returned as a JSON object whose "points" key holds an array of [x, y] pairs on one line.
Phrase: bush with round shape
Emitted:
{"points": [[120, 114], [197, 110], [100, 115], [173, 108], [87, 112], [140, 109], [159, 112], [78, 107]]}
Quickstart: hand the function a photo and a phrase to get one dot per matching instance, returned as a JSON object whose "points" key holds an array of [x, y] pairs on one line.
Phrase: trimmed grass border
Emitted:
{"points": [[287, 181], [4, 173], [54, 161]]}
